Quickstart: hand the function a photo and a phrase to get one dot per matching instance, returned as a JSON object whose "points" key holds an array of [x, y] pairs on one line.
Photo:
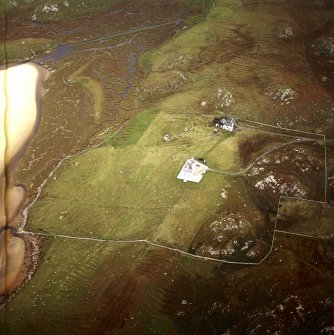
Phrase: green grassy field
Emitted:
{"points": [[127, 189]]}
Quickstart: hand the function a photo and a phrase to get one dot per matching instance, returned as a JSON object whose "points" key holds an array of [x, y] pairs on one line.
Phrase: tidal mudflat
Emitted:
{"points": [[21, 87]]}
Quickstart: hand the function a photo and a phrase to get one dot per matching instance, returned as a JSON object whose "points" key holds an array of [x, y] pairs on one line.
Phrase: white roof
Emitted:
{"points": [[192, 170]]}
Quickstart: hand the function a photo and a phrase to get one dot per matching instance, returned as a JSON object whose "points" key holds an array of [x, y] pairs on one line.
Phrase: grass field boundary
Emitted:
{"points": [[326, 170], [273, 237], [157, 245], [296, 234], [303, 199], [316, 136], [187, 254]]}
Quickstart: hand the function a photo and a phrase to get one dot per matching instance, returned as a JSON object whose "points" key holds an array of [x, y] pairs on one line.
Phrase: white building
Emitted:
{"points": [[193, 171], [226, 122]]}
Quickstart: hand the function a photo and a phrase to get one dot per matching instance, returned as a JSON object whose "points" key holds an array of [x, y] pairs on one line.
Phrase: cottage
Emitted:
{"points": [[225, 122]]}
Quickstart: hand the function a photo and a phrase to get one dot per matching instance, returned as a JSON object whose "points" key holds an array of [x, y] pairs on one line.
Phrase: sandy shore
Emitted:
{"points": [[21, 88]]}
